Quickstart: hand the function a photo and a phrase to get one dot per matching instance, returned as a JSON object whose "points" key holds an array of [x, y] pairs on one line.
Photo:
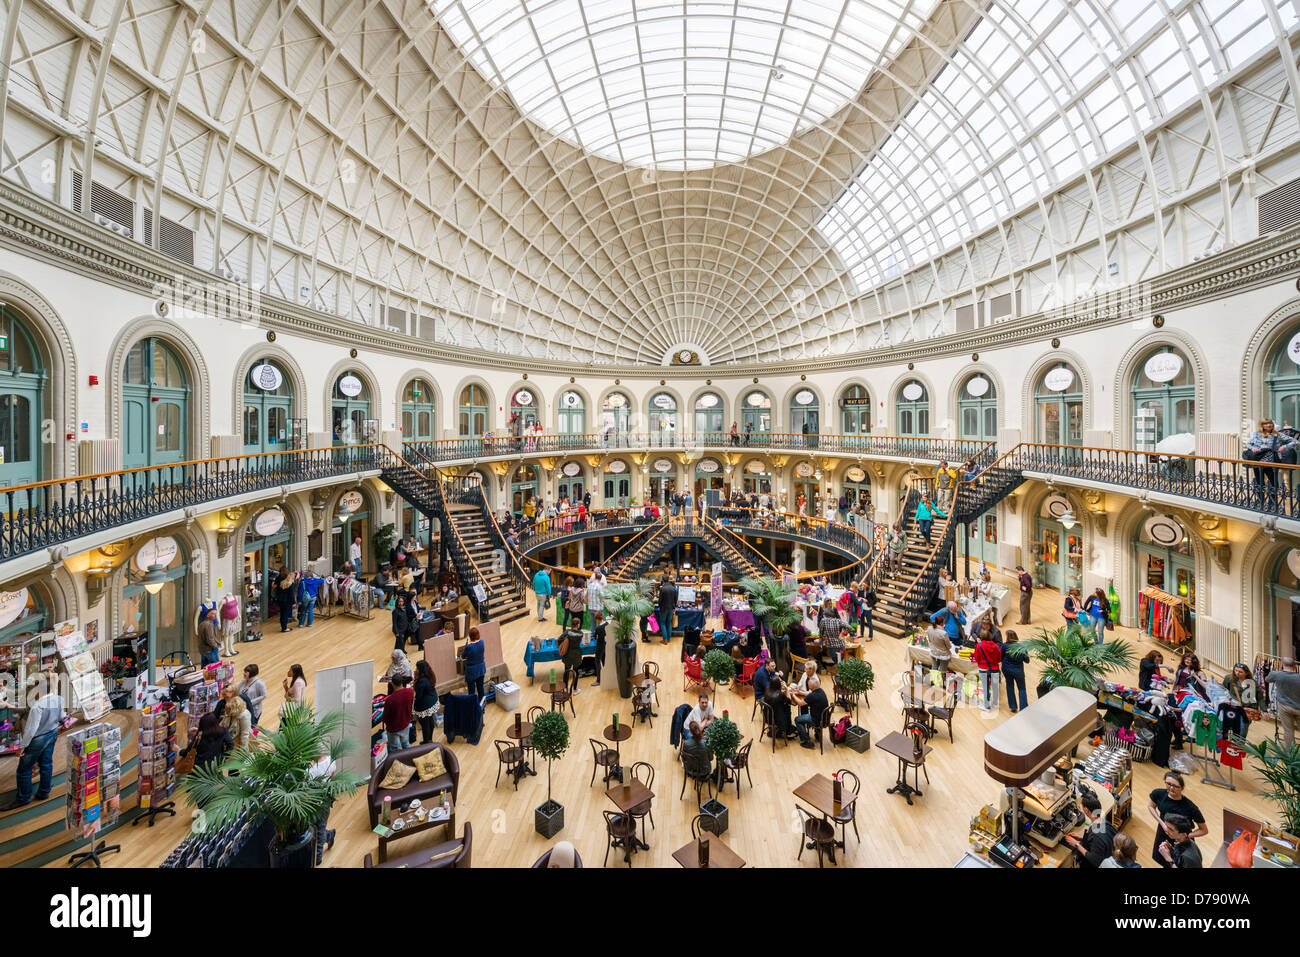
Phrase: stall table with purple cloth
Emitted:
{"points": [[550, 651], [740, 619]]}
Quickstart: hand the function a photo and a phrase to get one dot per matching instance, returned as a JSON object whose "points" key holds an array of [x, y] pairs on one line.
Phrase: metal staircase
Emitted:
{"points": [[673, 531]]}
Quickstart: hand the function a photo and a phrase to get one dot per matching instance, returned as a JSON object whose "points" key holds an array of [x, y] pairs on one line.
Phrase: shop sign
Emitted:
{"points": [[803, 469], [616, 467], [707, 465], [571, 400], [156, 551], [804, 397], [849, 401], [12, 604], [266, 377], [1163, 367], [1164, 530], [1054, 506], [269, 522], [977, 387], [663, 401], [351, 501], [1293, 348], [706, 401], [855, 474], [913, 391], [572, 468], [615, 400], [1058, 380], [1293, 561], [757, 400], [663, 465], [350, 386], [523, 397], [756, 468]]}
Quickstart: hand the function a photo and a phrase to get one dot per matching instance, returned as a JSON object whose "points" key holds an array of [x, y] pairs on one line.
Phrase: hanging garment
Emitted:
{"points": [[1230, 719], [1207, 730], [1230, 755]]}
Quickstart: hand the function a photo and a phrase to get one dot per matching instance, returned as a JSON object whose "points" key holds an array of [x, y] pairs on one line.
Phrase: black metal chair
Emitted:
{"points": [[849, 784], [817, 832], [509, 757], [602, 757], [740, 763], [769, 728], [823, 729], [620, 828]]}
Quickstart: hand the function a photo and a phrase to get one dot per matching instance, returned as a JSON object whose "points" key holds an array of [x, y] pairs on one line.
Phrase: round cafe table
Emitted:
{"points": [[524, 730], [617, 736]]}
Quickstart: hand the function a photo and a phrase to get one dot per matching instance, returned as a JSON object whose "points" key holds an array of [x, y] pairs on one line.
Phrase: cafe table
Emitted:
{"points": [[900, 746], [411, 824], [625, 797], [818, 792], [519, 733], [617, 736], [720, 856]]}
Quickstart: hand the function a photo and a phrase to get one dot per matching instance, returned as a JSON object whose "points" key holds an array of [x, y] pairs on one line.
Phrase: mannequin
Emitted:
{"points": [[229, 615]]}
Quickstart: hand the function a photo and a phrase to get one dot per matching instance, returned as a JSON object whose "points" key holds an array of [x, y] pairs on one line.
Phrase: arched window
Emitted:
{"points": [[913, 409], [756, 414], [268, 547], [523, 486], [805, 416], [165, 616], [1164, 397], [268, 404], [1058, 406], [472, 412], [663, 418], [709, 415], [418, 411], [573, 413], [1284, 383], [855, 411], [523, 411], [350, 409], [977, 408], [155, 405], [1164, 561], [1283, 639], [22, 399], [615, 417]]}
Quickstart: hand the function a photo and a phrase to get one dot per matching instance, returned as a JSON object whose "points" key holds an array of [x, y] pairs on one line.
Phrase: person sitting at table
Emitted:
{"points": [[400, 665], [1098, 841], [816, 701], [379, 586], [696, 756], [763, 677], [1124, 854], [702, 713], [798, 635], [776, 697], [447, 593], [940, 647], [809, 672]]}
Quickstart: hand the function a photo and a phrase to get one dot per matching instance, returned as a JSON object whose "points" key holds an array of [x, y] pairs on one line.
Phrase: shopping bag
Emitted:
{"points": [[652, 625]]}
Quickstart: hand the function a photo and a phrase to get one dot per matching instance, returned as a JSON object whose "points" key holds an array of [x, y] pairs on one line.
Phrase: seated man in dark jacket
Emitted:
{"points": [[798, 639], [816, 702]]}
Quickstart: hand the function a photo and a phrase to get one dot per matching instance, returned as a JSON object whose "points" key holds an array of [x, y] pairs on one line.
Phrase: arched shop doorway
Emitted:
{"points": [[913, 409], [23, 612], [1283, 638], [1058, 545], [977, 408], [663, 480], [709, 477], [755, 478], [573, 417], [615, 418], [418, 411], [155, 406], [268, 406], [1283, 383], [523, 486], [617, 484], [268, 547], [856, 486], [1164, 397], [22, 401], [663, 419], [523, 411], [982, 539], [1058, 406], [805, 417], [855, 411], [1163, 559], [472, 412], [572, 484], [710, 417], [352, 514], [156, 602], [350, 409], [755, 415], [807, 483], [24, 653]]}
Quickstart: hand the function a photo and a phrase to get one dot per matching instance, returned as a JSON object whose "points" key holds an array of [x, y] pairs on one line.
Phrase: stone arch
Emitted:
{"points": [[782, 424], [1028, 408], [1255, 360], [1124, 564], [689, 409], [284, 358], [958, 383], [1258, 558], [591, 413], [438, 404], [895, 389], [842, 386], [453, 404], [200, 400], [199, 554], [1128, 365], [509, 394], [367, 375]]}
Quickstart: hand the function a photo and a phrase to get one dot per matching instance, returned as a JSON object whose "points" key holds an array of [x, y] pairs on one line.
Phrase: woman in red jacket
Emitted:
{"points": [[988, 658]]}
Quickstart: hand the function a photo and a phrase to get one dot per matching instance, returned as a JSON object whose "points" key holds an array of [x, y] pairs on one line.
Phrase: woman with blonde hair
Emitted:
{"points": [[236, 719]]}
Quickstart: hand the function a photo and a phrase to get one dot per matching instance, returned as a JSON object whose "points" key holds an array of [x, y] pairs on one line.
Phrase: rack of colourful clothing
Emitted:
{"points": [[358, 602], [1264, 666], [241, 843], [1165, 617]]}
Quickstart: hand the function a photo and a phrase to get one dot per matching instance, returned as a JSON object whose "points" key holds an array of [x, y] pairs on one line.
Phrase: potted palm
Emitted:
{"points": [[772, 603], [273, 777], [1071, 658], [722, 737], [855, 677], [624, 605], [550, 739], [1279, 766]]}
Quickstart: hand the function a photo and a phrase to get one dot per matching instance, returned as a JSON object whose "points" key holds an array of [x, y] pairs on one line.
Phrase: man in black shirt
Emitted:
{"points": [[667, 608], [598, 634], [1180, 850], [816, 702], [1098, 841]]}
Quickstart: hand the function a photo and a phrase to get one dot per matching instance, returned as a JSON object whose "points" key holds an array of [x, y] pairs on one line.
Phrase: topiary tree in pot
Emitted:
{"points": [[854, 677], [718, 668], [722, 738], [550, 739]]}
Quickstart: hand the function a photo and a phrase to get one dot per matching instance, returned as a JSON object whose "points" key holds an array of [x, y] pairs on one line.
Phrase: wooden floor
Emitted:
{"points": [[763, 824]]}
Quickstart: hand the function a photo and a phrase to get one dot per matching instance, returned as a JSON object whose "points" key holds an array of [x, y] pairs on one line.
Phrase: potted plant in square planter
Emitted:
{"points": [[854, 677], [550, 740], [722, 737]]}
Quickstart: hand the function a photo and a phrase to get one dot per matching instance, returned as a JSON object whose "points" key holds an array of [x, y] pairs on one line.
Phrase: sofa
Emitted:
{"points": [[545, 860], [448, 854], [415, 788]]}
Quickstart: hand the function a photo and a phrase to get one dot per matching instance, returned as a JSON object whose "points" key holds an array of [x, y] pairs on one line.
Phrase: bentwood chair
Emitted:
{"points": [[850, 784], [699, 773], [740, 763], [602, 757], [769, 728], [816, 833], [644, 772], [509, 757], [620, 829]]}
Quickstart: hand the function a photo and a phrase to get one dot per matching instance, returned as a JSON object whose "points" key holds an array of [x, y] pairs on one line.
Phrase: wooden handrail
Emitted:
{"points": [[1150, 453]]}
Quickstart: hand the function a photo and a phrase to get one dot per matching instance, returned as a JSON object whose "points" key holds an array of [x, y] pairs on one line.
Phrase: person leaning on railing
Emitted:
{"points": [[1269, 445]]}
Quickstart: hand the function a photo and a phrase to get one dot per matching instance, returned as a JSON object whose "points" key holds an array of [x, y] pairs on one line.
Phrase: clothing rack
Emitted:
{"points": [[1165, 617], [1264, 666]]}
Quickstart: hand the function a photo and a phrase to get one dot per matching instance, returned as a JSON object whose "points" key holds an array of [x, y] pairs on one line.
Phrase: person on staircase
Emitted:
{"points": [[895, 546], [925, 513], [945, 480], [542, 589]]}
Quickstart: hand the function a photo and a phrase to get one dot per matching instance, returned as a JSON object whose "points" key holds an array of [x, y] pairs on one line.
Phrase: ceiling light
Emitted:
{"points": [[154, 579]]}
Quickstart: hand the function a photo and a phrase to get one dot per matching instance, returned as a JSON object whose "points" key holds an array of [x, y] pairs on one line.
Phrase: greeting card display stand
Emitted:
{"points": [[157, 756], [94, 788]]}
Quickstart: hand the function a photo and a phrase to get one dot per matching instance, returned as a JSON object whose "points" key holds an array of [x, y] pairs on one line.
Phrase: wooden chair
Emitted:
{"points": [[620, 827], [509, 757], [700, 776], [601, 757], [562, 696], [740, 763], [816, 832], [643, 704], [644, 772], [849, 784], [769, 728], [823, 730], [940, 713], [700, 825], [796, 667]]}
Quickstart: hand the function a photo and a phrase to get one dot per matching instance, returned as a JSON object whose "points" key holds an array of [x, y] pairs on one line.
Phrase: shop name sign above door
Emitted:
{"points": [[1058, 380], [853, 400], [913, 391], [266, 377], [351, 501], [156, 551], [572, 468], [12, 604], [707, 465], [616, 467], [855, 474], [269, 522], [663, 465], [803, 469], [755, 468], [523, 397], [804, 397], [663, 401], [977, 387], [571, 400], [1163, 366], [350, 386]]}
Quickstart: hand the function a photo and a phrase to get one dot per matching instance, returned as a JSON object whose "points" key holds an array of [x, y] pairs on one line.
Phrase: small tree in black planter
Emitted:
{"points": [[856, 677], [550, 739], [722, 737], [273, 778], [718, 668]]}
